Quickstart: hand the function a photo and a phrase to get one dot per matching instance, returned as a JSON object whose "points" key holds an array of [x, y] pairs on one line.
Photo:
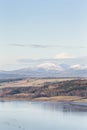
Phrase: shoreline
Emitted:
{"points": [[71, 102]]}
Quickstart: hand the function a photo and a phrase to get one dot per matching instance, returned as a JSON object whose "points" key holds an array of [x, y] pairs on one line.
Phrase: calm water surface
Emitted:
{"points": [[42, 116]]}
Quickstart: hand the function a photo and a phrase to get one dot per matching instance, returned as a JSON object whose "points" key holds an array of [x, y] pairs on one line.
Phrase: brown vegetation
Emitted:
{"points": [[52, 90]]}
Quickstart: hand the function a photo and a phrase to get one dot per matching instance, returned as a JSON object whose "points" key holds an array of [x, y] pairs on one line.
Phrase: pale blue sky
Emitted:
{"points": [[41, 29]]}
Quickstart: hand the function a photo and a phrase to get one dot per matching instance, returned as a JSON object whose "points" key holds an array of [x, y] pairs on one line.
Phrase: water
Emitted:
{"points": [[42, 116]]}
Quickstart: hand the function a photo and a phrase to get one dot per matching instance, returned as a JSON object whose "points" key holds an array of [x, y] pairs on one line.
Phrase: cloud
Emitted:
{"points": [[57, 45], [60, 67], [67, 61], [63, 56], [50, 66], [18, 45], [38, 46], [43, 46], [77, 66], [29, 45]]}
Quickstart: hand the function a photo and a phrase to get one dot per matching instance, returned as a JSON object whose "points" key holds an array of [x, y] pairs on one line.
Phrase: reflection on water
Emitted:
{"points": [[42, 116], [64, 107]]}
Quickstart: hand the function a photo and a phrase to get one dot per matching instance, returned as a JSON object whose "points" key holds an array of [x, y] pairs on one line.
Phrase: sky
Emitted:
{"points": [[38, 30]]}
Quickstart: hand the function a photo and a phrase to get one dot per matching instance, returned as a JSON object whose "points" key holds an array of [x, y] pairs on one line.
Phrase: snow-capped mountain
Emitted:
{"points": [[47, 70]]}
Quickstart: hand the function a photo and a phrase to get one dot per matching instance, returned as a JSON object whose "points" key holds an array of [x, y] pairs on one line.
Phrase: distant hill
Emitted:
{"points": [[46, 70]]}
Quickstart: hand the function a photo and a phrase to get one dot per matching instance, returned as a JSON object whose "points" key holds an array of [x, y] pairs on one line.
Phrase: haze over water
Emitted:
{"points": [[42, 116]]}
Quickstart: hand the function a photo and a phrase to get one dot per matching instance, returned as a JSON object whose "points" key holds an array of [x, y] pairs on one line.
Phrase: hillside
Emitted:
{"points": [[44, 89]]}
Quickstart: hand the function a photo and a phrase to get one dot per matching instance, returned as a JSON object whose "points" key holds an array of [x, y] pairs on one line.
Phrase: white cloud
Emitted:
{"points": [[78, 67], [48, 66], [63, 56]]}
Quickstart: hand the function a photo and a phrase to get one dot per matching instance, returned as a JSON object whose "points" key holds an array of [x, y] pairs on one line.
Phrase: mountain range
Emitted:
{"points": [[47, 70]]}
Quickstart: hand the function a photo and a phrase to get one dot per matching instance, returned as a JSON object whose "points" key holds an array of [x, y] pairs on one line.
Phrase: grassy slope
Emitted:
{"points": [[67, 89]]}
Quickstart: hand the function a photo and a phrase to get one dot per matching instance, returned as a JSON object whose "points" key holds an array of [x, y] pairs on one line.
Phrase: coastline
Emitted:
{"points": [[63, 99]]}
